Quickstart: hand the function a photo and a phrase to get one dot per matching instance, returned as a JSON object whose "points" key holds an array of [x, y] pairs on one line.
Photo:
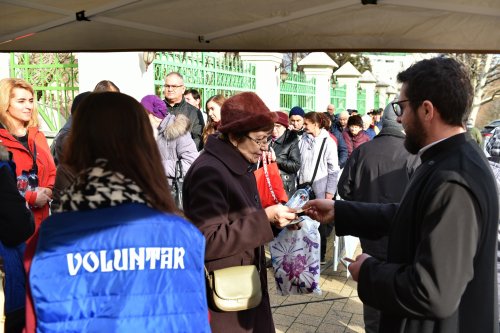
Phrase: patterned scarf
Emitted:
{"points": [[97, 187]]}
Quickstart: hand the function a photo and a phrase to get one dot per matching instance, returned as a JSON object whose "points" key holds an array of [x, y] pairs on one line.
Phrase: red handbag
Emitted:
{"points": [[269, 184]]}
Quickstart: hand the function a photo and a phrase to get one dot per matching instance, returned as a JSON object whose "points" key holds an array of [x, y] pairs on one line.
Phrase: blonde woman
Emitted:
{"points": [[30, 152], [20, 135]]}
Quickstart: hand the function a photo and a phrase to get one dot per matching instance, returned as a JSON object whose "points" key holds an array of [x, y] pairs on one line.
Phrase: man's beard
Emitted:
{"points": [[414, 140]]}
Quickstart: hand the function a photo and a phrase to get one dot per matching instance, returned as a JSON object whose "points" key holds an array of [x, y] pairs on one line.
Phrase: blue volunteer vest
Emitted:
{"points": [[128, 268]]}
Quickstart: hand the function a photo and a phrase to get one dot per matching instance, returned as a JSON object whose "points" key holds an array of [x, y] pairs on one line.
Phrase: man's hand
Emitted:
{"points": [[355, 266], [321, 210]]}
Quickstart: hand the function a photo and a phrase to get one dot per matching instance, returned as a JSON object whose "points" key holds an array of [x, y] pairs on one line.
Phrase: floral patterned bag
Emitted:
{"points": [[295, 256]]}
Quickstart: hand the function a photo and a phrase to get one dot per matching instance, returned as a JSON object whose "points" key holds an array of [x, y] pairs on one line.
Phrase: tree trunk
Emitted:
{"points": [[479, 88]]}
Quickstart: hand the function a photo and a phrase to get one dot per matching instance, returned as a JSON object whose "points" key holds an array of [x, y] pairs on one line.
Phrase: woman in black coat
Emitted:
{"points": [[286, 152]]}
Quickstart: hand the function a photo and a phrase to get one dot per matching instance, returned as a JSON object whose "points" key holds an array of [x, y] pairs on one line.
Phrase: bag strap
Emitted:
{"points": [[34, 167], [207, 274], [317, 162], [268, 180], [178, 170]]}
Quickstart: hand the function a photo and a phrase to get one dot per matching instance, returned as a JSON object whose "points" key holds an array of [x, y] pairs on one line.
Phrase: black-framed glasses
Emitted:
{"points": [[396, 106], [261, 142], [173, 87]]}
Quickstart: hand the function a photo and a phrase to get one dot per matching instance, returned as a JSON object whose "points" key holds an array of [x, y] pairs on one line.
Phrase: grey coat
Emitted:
{"points": [[175, 142]]}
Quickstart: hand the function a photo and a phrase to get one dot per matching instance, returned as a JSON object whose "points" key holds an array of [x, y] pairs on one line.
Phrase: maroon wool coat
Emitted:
{"points": [[220, 197]]}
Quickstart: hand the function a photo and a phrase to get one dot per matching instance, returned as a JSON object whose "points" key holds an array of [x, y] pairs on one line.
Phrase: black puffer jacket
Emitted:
{"points": [[287, 152]]}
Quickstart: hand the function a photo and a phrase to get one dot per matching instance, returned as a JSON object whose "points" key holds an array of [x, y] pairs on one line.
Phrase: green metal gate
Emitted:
{"points": [[338, 98], [298, 91], [209, 73], [361, 101], [54, 77]]}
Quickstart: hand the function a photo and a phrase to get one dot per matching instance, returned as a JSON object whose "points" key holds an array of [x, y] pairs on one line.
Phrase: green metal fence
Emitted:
{"points": [[54, 77], [338, 98], [361, 101], [298, 91], [209, 73]]}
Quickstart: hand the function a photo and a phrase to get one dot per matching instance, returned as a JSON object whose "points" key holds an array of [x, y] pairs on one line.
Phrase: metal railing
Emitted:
{"points": [[338, 98], [361, 101], [209, 73], [298, 91], [54, 77]]}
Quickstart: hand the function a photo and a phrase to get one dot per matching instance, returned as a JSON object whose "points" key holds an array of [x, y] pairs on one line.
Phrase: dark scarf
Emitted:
{"points": [[97, 187]]}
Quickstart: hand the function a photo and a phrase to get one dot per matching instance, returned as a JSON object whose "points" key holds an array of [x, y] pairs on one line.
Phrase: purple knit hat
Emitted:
{"points": [[154, 105]]}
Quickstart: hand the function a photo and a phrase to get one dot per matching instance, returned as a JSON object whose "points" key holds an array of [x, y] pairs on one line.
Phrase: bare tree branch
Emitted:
{"points": [[491, 98]]}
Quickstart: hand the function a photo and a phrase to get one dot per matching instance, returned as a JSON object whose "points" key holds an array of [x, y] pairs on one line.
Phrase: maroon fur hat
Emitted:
{"points": [[282, 118], [245, 112]]}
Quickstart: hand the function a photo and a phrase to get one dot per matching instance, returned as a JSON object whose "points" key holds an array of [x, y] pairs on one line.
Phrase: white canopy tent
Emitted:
{"points": [[250, 25]]}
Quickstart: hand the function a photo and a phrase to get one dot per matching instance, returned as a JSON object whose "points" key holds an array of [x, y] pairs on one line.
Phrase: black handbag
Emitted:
{"points": [[176, 187], [308, 185]]}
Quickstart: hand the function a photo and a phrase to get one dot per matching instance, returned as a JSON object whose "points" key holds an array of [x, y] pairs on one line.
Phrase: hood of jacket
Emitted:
{"points": [[173, 127]]}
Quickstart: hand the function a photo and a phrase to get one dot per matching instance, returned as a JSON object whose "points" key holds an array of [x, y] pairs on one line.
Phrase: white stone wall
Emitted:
{"points": [[125, 69]]}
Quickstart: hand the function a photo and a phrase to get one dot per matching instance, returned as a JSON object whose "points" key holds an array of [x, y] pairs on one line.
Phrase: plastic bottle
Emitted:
{"points": [[298, 199], [22, 183], [32, 182]]}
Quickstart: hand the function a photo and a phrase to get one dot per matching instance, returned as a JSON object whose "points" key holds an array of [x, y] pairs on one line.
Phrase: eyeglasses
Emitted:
{"points": [[396, 106], [261, 142], [173, 87]]}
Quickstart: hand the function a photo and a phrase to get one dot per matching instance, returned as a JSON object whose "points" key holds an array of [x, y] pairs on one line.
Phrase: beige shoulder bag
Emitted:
{"points": [[234, 288]]}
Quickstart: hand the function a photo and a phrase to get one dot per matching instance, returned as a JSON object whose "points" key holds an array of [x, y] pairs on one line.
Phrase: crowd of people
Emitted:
{"points": [[93, 239]]}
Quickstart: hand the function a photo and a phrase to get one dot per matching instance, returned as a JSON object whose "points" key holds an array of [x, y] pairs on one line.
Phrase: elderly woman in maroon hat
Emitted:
{"points": [[221, 199], [286, 153]]}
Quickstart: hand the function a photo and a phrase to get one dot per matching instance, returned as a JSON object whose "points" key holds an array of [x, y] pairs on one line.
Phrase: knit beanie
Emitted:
{"points": [[154, 105], [355, 120], [389, 119], [282, 118], [245, 112], [493, 145], [296, 111]]}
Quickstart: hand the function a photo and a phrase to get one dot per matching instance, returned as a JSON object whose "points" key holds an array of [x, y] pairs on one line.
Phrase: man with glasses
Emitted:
{"points": [[440, 272], [176, 104]]}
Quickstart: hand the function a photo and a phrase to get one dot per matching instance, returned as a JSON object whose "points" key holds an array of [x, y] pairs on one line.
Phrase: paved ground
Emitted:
{"points": [[320, 313]]}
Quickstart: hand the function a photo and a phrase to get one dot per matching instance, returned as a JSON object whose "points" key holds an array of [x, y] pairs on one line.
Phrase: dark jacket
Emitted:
{"points": [[16, 226], [440, 274], [195, 117], [353, 142], [341, 146], [287, 152], [221, 198], [56, 148], [377, 171], [16, 220]]}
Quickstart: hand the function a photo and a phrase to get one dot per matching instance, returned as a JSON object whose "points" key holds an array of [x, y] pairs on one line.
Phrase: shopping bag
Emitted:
{"points": [[269, 184], [295, 255]]}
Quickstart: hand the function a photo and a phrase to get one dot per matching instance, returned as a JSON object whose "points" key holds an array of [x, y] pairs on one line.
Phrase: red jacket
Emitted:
{"points": [[24, 161], [46, 177]]}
